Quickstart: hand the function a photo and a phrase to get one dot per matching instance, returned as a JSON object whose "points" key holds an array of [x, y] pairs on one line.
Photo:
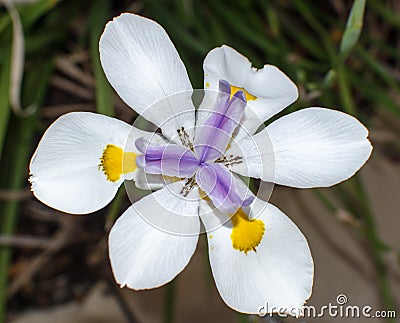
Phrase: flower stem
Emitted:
{"points": [[169, 302], [21, 137], [365, 211], [374, 241]]}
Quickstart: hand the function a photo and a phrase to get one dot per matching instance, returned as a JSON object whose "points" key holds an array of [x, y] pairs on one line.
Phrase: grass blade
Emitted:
{"points": [[353, 29], [99, 15], [4, 99]]}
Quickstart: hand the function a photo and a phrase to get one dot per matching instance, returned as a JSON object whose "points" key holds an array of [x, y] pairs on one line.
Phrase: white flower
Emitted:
{"points": [[84, 157]]}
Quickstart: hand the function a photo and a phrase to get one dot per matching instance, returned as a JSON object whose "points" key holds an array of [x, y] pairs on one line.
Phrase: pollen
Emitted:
{"points": [[114, 162], [248, 96], [246, 234]]}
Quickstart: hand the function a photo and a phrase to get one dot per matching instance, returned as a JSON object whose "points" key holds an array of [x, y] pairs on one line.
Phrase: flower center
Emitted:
{"points": [[114, 162], [248, 96], [246, 234], [199, 159]]}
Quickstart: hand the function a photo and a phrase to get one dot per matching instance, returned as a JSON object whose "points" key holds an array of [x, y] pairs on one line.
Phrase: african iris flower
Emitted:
{"points": [[257, 254]]}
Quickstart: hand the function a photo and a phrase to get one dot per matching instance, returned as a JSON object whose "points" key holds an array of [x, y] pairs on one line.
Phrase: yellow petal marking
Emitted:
{"points": [[172, 179], [246, 234], [114, 162], [203, 195], [248, 96]]}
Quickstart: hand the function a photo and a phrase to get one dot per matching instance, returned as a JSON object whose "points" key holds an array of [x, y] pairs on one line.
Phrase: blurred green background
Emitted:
{"points": [[341, 54]]}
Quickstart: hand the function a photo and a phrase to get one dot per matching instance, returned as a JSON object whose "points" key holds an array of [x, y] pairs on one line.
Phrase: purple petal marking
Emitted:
{"points": [[227, 192], [213, 136], [141, 144], [169, 160], [140, 161]]}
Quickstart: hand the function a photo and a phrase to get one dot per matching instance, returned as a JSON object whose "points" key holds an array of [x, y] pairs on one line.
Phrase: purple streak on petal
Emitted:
{"points": [[224, 87], [169, 160], [227, 192], [213, 136], [140, 161], [141, 144]]}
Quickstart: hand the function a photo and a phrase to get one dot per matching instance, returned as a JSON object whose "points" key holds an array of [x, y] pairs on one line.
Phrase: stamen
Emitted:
{"points": [[190, 183], [232, 160], [221, 159], [184, 137], [114, 162], [246, 234]]}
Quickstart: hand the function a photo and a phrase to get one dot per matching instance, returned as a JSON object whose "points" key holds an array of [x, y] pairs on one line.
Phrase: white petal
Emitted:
{"points": [[273, 89], [65, 170], [143, 66], [313, 147], [256, 156], [153, 182], [277, 276], [146, 251], [146, 181]]}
